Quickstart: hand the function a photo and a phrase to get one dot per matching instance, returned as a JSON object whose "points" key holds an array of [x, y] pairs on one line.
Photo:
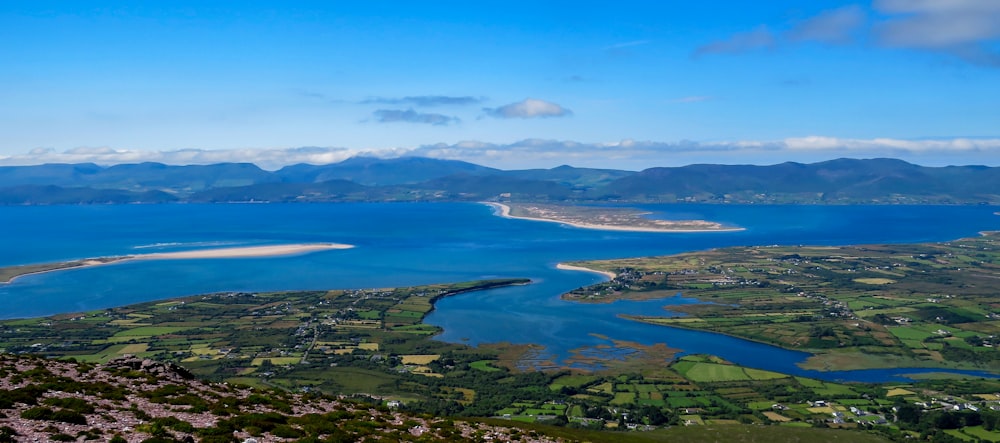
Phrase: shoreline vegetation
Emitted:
{"points": [[372, 345], [10, 273], [852, 307], [604, 218]]}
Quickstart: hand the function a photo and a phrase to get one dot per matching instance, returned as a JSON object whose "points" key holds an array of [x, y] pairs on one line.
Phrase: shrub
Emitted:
{"points": [[76, 404], [39, 413], [67, 416]]}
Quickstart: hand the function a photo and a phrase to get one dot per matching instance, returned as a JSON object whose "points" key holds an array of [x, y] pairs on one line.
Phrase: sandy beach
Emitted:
{"points": [[610, 275], [243, 252], [234, 252], [504, 211]]}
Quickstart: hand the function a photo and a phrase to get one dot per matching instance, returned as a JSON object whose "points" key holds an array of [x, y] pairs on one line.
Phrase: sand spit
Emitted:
{"points": [[610, 275], [243, 252], [14, 272], [667, 226]]}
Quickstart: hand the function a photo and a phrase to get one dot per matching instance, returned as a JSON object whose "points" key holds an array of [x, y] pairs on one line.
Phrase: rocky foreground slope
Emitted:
{"points": [[135, 400]]}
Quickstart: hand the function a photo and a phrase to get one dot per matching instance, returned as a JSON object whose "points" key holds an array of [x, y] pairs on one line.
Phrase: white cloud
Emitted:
{"points": [[636, 154], [265, 158], [899, 145], [536, 153], [528, 108]]}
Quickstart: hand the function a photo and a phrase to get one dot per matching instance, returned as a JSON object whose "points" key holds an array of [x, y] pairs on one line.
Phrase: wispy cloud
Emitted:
{"points": [[528, 108], [426, 100], [836, 26], [968, 29], [624, 49], [797, 81], [627, 44], [760, 38], [693, 99], [411, 116], [318, 96]]}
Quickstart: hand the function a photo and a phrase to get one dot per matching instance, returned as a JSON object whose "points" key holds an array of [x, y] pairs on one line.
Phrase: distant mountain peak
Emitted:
{"points": [[366, 178]]}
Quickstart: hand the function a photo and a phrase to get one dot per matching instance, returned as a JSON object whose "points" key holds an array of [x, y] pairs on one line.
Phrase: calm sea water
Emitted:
{"points": [[411, 244]]}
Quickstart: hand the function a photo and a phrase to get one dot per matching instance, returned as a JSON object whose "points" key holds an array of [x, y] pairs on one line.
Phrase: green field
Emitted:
{"points": [[822, 300], [150, 331], [703, 371], [889, 305]]}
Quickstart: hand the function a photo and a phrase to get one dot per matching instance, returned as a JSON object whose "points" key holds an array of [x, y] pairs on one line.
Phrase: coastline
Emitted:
{"points": [[234, 252], [817, 356], [610, 275], [504, 211]]}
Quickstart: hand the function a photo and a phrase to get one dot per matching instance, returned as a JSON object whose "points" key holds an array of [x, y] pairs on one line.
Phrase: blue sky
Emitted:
{"points": [[509, 84]]}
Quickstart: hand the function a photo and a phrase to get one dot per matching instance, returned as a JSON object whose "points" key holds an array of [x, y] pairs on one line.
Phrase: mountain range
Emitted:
{"points": [[425, 179]]}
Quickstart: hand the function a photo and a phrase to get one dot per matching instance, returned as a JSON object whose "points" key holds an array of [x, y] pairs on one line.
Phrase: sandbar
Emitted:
{"points": [[610, 275], [13, 272], [243, 252], [667, 226]]}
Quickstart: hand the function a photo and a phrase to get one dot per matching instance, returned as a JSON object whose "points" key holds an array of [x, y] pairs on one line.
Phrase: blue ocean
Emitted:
{"points": [[419, 243]]}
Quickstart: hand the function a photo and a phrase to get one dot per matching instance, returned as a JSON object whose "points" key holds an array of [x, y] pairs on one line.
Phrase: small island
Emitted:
{"points": [[604, 218], [9, 273]]}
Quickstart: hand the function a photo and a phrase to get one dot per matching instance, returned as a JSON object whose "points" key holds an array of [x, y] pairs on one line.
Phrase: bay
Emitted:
{"points": [[412, 243]]}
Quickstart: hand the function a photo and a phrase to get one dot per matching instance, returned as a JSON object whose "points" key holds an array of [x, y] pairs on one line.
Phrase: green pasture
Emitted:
{"points": [[573, 381], [957, 433], [150, 331], [484, 365], [421, 329], [715, 372], [406, 314], [623, 398], [369, 314], [508, 411], [278, 361], [606, 388], [982, 434]]}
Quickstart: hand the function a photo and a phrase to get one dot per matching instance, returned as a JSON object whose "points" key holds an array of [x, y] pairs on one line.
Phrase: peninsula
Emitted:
{"points": [[604, 218], [853, 307], [9, 273]]}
